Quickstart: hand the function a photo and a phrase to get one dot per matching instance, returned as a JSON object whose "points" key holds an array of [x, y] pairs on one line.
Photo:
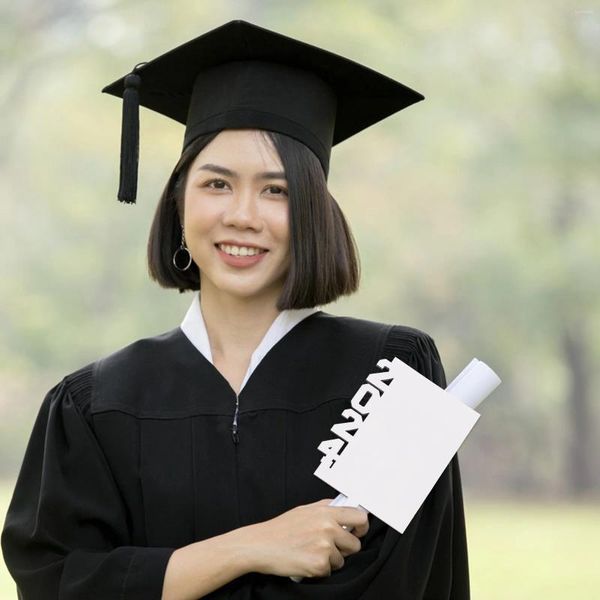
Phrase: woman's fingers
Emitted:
{"points": [[347, 542], [362, 529], [352, 518], [336, 559]]}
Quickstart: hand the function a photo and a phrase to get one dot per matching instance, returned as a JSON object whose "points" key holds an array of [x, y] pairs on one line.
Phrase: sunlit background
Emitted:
{"points": [[477, 214]]}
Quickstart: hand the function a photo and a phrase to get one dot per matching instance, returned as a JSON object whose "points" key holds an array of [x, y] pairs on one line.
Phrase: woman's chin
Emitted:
{"points": [[247, 293]]}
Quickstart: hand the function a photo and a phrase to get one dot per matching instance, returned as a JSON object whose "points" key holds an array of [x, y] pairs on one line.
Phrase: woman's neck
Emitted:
{"points": [[235, 326]]}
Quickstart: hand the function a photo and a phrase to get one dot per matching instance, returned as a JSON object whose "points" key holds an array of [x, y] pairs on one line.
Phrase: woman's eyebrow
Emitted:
{"points": [[230, 173]]}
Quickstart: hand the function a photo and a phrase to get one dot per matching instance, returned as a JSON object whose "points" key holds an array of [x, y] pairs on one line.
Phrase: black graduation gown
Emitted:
{"points": [[134, 456]]}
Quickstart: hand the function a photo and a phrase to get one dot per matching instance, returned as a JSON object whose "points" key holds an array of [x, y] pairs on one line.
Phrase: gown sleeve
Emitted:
{"points": [[427, 562], [66, 534]]}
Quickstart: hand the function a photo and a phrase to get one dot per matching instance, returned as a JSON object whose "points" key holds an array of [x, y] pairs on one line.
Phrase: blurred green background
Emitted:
{"points": [[477, 214]]}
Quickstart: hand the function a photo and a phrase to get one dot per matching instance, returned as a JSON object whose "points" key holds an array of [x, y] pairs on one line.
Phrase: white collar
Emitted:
{"points": [[194, 328]]}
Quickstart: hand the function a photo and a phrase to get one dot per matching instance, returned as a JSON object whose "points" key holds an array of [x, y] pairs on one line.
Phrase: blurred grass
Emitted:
{"points": [[517, 551], [521, 551]]}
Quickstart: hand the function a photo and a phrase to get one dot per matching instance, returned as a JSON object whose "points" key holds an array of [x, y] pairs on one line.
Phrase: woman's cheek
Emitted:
{"points": [[280, 218]]}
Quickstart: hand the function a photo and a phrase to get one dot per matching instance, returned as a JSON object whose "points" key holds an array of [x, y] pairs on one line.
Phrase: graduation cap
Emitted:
{"points": [[240, 75]]}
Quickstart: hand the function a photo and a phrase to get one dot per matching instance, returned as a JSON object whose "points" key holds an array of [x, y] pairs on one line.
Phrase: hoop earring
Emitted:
{"points": [[178, 257]]}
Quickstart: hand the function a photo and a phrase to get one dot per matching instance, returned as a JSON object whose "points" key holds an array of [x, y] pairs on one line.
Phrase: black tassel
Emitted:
{"points": [[130, 138]]}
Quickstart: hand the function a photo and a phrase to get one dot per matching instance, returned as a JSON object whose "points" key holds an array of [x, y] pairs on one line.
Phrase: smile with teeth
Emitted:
{"points": [[240, 250]]}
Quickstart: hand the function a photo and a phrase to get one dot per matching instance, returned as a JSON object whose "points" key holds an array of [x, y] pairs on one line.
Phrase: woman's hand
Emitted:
{"points": [[306, 541]]}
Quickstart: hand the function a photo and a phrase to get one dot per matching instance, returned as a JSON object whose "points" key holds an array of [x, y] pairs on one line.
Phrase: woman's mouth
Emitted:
{"points": [[240, 256], [240, 250]]}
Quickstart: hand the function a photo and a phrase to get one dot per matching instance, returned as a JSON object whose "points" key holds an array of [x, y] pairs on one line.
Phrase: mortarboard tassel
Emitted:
{"points": [[130, 137]]}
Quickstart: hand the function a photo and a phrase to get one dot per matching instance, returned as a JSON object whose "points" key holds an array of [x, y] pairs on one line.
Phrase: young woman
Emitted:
{"points": [[181, 466]]}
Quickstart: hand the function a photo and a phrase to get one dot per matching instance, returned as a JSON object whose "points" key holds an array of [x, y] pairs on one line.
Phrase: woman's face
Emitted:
{"points": [[236, 216]]}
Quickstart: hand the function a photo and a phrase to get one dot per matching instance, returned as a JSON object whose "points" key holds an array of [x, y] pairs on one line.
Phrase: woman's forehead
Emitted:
{"points": [[248, 147]]}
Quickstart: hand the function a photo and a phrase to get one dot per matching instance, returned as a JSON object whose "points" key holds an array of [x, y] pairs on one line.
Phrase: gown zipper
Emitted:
{"points": [[234, 425]]}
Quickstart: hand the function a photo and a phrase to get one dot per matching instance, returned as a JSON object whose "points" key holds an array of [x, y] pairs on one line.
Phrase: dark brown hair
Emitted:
{"points": [[324, 261]]}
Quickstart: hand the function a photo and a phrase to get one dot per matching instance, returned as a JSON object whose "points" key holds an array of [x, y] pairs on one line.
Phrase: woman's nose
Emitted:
{"points": [[242, 211]]}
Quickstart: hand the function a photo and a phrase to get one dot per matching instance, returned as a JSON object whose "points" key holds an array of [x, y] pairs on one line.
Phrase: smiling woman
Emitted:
{"points": [[181, 466], [221, 223]]}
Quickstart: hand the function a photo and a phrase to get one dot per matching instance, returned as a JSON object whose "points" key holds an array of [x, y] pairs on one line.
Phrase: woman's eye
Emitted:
{"points": [[218, 182], [282, 191]]}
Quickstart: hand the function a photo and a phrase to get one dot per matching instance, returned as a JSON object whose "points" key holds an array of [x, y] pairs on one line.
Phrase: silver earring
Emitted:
{"points": [[179, 255]]}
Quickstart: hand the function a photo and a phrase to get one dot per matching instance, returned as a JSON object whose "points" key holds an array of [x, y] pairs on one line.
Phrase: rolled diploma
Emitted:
{"points": [[471, 386]]}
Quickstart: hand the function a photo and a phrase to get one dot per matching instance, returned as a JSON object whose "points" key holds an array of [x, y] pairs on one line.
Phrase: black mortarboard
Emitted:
{"points": [[241, 75]]}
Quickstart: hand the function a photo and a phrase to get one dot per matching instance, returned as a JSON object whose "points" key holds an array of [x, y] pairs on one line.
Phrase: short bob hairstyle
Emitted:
{"points": [[324, 262]]}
